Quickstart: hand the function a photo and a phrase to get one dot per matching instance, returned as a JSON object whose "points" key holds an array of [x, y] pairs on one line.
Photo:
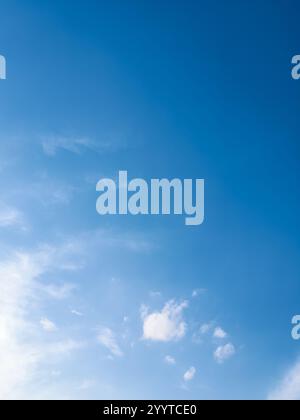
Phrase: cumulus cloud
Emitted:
{"points": [[189, 374], [170, 360], [288, 389], [224, 353], [205, 328], [107, 339], [220, 333], [167, 325]]}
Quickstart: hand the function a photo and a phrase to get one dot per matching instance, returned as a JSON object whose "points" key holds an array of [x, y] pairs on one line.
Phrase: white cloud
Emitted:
{"points": [[198, 292], [59, 292], [48, 325], [288, 389], [52, 144], [205, 328], [11, 217], [107, 338], [167, 325], [220, 333], [144, 310], [224, 353], [75, 312], [170, 360], [22, 351], [202, 331], [189, 374], [65, 347], [17, 357], [25, 353]]}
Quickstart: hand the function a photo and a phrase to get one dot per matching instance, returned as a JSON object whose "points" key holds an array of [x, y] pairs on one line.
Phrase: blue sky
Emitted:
{"points": [[126, 307]]}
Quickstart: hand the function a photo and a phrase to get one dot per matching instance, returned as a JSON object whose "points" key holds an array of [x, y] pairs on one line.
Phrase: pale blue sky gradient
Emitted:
{"points": [[185, 89]]}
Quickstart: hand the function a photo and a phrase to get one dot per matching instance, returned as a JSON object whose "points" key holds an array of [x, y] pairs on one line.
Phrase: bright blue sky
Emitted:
{"points": [[187, 89]]}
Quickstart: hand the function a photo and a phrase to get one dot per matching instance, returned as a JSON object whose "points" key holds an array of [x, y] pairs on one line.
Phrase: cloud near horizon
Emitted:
{"points": [[22, 350], [288, 389]]}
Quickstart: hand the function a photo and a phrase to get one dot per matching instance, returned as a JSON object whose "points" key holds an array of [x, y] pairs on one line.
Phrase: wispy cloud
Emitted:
{"points": [[107, 339], [56, 193], [64, 347], [48, 325], [52, 144], [59, 291], [167, 325], [189, 374], [11, 217], [76, 313], [22, 351], [17, 357], [198, 292], [110, 238], [201, 332], [169, 360], [87, 384], [155, 294], [288, 389], [205, 328]]}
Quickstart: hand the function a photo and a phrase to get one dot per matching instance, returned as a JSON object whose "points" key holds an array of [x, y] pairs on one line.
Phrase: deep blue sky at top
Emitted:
{"points": [[182, 89]]}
